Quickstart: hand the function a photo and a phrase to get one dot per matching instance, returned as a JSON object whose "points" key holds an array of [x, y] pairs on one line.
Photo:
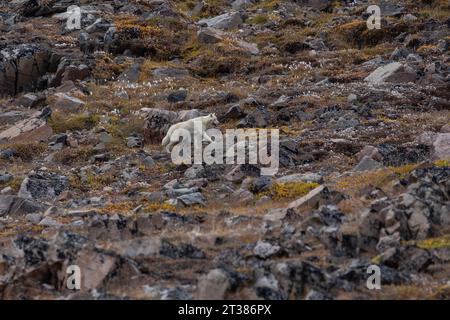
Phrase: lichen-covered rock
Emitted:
{"points": [[22, 68]]}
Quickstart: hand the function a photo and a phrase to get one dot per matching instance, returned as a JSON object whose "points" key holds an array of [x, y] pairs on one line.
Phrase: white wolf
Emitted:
{"points": [[201, 123]]}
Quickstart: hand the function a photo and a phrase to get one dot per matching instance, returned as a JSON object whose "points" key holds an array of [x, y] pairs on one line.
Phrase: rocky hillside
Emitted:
{"points": [[364, 174]]}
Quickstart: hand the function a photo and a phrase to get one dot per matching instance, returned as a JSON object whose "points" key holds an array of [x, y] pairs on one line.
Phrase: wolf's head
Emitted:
{"points": [[212, 119]]}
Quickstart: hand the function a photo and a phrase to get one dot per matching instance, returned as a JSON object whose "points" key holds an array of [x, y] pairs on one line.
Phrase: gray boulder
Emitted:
{"points": [[22, 66], [225, 21], [394, 72], [43, 185], [12, 205], [213, 286], [367, 164]]}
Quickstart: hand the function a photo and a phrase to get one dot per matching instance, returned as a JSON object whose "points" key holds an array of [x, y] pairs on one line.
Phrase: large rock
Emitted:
{"points": [[11, 117], [210, 35], [95, 267], [67, 103], [158, 122], [29, 129], [225, 21], [139, 247], [312, 199], [42, 185], [22, 68], [394, 72], [367, 164], [213, 286], [265, 250], [12, 205], [69, 70], [441, 146], [439, 143], [195, 198]]}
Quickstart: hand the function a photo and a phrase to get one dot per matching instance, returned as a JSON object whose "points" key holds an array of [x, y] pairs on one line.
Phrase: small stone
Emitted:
{"points": [[281, 102], [192, 199], [7, 154], [393, 72], [239, 172], [265, 249], [234, 112], [49, 222], [177, 96], [409, 17], [242, 196], [441, 146], [225, 21], [148, 161], [194, 172], [371, 152], [105, 137], [34, 217], [134, 142], [213, 286], [122, 94], [352, 98], [367, 164], [5, 177], [261, 184], [7, 190]]}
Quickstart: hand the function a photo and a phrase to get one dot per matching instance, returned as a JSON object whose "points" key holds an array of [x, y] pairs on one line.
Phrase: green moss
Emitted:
{"points": [[258, 19], [434, 243], [403, 171], [60, 124], [71, 156], [26, 151], [376, 260], [14, 183], [292, 190], [442, 163]]}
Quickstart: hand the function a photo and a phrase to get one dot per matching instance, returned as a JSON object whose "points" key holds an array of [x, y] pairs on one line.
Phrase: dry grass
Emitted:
{"points": [[72, 156], [432, 243], [14, 184], [291, 190], [414, 292], [60, 124], [381, 178], [26, 151]]}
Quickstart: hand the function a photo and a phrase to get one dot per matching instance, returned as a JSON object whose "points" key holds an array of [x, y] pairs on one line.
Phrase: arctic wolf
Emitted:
{"points": [[202, 123]]}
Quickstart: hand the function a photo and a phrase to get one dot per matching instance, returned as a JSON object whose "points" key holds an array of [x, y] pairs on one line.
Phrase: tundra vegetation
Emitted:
{"points": [[364, 149]]}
